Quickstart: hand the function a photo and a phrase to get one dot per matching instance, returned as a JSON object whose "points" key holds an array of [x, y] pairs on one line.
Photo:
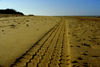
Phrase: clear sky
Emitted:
{"points": [[53, 7]]}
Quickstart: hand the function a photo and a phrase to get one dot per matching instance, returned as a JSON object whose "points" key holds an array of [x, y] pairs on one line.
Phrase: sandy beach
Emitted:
{"points": [[49, 41], [18, 34], [84, 41]]}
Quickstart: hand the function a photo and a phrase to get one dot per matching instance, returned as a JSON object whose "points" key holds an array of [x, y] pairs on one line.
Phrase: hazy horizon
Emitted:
{"points": [[54, 7]]}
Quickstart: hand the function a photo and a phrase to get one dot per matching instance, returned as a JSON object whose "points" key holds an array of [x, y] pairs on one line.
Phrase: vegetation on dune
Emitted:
{"points": [[10, 11]]}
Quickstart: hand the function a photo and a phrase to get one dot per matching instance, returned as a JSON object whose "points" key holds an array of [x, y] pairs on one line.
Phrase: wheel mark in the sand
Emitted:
{"points": [[44, 56], [26, 53], [53, 57], [35, 55], [64, 61], [41, 57]]}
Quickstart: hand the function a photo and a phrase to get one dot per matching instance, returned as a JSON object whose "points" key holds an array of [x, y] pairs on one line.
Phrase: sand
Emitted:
{"points": [[50, 51], [18, 34], [42, 41], [84, 42]]}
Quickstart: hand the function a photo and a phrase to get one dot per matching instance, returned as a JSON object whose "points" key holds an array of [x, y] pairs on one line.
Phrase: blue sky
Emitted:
{"points": [[53, 7]]}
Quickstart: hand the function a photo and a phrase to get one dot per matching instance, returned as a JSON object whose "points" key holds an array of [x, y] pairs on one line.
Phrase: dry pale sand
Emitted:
{"points": [[51, 51], [18, 34], [84, 41], [42, 41]]}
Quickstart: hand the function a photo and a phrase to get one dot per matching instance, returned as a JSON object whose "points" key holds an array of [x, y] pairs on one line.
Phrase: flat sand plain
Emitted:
{"points": [[42, 41], [18, 34]]}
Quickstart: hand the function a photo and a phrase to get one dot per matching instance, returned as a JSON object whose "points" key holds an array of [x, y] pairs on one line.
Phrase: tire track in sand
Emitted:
{"points": [[34, 61], [65, 52], [50, 51], [55, 58], [46, 58], [26, 57]]}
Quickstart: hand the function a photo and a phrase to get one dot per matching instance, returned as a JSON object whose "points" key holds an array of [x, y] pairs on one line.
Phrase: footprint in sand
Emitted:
{"points": [[27, 25], [27, 20], [86, 51], [98, 43], [74, 61], [2, 30], [84, 44], [79, 58], [83, 53], [75, 66], [71, 46], [68, 32], [79, 40], [76, 37], [85, 64], [78, 46], [18, 23], [95, 56]]}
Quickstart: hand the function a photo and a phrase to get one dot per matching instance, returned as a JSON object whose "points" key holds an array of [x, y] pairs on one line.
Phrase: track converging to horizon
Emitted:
{"points": [[50, 51]]}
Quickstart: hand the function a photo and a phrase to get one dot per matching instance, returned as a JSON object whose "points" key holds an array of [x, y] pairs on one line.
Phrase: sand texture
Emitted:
{"points": [[19, 34], [42, 41], [84, 41]]}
